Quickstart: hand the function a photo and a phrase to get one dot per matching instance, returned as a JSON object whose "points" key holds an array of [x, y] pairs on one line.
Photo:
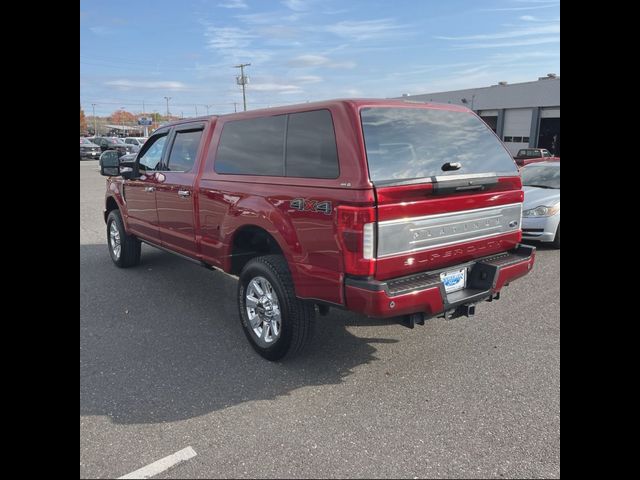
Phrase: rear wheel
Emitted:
{"points": [[124, 249], [275, 321]]}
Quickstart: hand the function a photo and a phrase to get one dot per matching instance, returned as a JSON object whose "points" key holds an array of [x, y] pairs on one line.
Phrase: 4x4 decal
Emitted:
{"points": [[304, 205]]}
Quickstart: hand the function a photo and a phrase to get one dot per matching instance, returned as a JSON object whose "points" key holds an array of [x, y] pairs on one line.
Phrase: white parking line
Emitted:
{"points": [[163, 464]]}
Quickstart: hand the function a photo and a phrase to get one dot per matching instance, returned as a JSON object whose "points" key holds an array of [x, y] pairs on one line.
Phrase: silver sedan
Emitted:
{"points": [[541, 208]]}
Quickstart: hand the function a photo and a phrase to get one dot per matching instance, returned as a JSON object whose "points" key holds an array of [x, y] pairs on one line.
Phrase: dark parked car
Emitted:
{"points": [[89, 149], [113, 143]]}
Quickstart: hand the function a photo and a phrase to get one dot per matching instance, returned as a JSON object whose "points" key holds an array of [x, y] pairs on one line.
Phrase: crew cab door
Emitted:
{"points": [[175, 195], [140, 192]]}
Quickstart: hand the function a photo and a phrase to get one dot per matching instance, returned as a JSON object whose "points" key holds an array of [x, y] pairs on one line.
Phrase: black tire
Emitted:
{"points": [[130, 246], [556, 239], [297, 316]]}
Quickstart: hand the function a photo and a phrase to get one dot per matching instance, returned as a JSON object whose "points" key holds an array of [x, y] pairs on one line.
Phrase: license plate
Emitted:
{"points": [[454, 280]]}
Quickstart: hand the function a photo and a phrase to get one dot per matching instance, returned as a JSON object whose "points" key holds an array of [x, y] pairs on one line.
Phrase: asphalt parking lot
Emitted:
{"points": [[164, 365]]}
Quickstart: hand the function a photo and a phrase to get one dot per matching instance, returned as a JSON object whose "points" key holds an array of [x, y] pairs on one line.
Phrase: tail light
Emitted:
{"points": [[356, 234]]}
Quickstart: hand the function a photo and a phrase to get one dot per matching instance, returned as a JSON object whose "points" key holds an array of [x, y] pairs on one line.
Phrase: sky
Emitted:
{"points": [[304, 50]]}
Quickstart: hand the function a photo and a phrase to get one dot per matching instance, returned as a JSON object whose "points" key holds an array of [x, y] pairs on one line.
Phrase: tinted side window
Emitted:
{"points": [[151, 157], [252, 147], [311, 146], [184, 150]]}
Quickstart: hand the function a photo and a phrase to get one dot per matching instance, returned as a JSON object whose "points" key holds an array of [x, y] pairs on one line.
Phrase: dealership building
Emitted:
{"points": [[522, 114]]}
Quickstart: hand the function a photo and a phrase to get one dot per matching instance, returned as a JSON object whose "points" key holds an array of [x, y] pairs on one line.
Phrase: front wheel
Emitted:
{"points": [[274, 320], [124, 249]]}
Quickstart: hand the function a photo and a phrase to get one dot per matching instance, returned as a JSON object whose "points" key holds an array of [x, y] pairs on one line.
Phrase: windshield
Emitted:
{"points": [[545, 176], [117, 140], [84, 141], [405, 143]]}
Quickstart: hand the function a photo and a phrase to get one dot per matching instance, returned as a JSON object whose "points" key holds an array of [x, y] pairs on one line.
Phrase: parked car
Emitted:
{"points": [[138, 141], [526, 156], [113, 143], [135, 148], [88, 149], [382, 207], [541, 208]]}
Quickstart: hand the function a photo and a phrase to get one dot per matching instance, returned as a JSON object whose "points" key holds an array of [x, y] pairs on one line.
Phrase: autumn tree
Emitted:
{"points": [[83, 122], [122, 116]]}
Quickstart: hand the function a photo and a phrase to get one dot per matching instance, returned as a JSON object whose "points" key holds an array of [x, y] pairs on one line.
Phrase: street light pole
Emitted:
{"points": [[242, 80], [122, 118], [95, 128], [167, 99]]}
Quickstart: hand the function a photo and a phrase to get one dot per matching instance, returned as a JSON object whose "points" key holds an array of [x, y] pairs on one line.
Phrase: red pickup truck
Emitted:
{"points": [[382, 207], [526, 156]]}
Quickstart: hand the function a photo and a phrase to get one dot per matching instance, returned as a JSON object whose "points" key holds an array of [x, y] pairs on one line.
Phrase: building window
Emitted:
{"points": [[508, 139], [525, 139], [517, 139]]}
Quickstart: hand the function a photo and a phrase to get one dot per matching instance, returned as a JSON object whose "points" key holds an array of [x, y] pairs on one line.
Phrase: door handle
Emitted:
{"points": [[149, 189], [184, 193]]}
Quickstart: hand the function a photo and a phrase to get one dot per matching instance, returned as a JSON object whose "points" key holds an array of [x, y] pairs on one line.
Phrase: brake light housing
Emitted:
{"points": [[356, 227]]}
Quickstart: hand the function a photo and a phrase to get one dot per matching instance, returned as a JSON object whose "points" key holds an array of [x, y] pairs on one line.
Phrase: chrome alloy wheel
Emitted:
{"points": [[114, 240], [263, 311]]}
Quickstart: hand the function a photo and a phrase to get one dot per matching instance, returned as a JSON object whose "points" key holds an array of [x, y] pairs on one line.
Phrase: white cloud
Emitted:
{"points": [[516, 43], [275, 87], [523, 32], [308, 79], [233, 4], [227, 38], [296, 5], [364, 29], [131, 84], [267, 18], [514, 9], [101, 30], [309, 60]]}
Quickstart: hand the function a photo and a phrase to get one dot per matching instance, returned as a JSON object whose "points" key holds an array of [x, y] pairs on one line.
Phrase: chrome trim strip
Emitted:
{"points": [[436, 215], [416, 234]]}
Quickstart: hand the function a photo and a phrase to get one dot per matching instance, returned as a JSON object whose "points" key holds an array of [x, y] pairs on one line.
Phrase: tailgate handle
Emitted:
{"points": [[470, 187]]}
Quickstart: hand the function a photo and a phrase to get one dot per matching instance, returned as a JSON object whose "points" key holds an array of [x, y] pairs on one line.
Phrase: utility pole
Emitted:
{"points": [[95, 128], [242, 80], [207, 107], [122, 118], [196, 110], [143, 107], [167, 99], [234, 107]]}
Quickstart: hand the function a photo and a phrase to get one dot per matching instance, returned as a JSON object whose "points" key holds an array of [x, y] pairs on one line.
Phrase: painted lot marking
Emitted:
{"points": [[163, 464]]}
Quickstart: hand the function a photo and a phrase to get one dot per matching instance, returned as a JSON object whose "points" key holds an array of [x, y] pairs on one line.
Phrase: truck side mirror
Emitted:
{"points": [[109, 163]]}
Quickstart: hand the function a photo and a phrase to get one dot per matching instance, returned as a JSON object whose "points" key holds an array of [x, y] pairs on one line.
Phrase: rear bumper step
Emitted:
{"points": [[424, 293]]}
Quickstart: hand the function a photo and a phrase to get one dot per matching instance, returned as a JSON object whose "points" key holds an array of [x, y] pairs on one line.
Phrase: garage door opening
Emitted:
{"points": [[549, 137], [492, 122]]}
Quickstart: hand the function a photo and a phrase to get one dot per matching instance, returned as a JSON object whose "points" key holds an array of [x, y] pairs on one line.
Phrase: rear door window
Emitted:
{"points": [[184, 150], [252, 147]]}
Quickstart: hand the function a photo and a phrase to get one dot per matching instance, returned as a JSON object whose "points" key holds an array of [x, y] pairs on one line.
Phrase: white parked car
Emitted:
{"points": [[541, 208], [138, 141]]}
